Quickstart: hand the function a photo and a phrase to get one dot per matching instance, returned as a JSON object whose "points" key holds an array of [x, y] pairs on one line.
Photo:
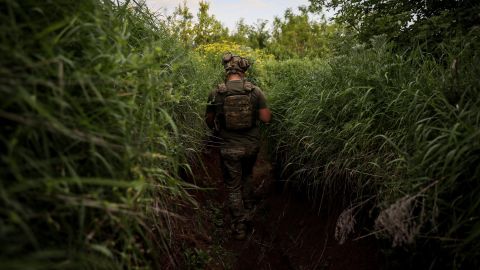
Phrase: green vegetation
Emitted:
{"points": [[97, 113], [206, 29], [297, 35], [294, 35], [419, 22], [103, 105], [382, 130]]}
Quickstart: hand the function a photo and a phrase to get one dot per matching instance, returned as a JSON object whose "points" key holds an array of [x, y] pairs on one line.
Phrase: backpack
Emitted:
{"points": [[236, 108]]}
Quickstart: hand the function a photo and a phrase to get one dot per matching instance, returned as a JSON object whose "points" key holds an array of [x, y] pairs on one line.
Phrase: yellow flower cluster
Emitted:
{"points": [[255, 56]]}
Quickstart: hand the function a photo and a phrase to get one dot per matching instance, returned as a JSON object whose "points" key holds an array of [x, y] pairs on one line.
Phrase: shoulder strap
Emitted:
{"points": [[222, 88], [248, 86]]}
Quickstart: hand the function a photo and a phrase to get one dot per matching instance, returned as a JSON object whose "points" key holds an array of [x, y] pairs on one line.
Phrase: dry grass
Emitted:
{"points": [[398, 222], [345, 225]]}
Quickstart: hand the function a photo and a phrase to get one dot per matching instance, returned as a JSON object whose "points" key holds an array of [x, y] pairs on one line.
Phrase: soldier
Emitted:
{"points": [[233, 112]]}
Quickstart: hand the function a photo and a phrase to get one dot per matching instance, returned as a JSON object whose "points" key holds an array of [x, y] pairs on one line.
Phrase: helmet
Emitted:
{"points": [[234, 63]]}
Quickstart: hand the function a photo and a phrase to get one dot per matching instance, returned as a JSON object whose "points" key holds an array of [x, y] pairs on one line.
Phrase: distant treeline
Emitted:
{"points": [[307, 33]]}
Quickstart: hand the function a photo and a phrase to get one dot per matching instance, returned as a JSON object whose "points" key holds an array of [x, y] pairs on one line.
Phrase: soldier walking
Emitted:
{"points": [[234, 110]]}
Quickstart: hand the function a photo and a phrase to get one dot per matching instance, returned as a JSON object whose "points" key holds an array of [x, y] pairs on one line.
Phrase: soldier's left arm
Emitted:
{"points": [[264, 113]]}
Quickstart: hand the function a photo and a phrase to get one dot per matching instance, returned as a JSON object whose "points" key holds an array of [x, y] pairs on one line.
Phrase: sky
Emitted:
{"points": [[230, 11]]}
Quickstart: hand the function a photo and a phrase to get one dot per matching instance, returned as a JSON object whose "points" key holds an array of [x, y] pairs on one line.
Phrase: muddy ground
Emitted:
{"points": [[288, 231]]}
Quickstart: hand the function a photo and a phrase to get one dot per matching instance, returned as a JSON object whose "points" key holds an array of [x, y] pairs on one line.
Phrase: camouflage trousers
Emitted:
{"points": [[237, 167]]}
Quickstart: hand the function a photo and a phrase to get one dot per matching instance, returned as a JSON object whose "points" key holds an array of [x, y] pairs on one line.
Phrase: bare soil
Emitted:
{"points": [[288, 231]]}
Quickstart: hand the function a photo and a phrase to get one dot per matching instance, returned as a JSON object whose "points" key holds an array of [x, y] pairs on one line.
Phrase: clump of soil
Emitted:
{"points": [[288, 232]]}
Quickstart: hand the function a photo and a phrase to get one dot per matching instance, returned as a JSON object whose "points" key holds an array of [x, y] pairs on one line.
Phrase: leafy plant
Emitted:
{"points": [[196, 259]]}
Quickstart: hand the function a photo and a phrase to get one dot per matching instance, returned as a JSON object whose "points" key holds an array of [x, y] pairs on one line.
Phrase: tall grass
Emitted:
{"points": [[98, 109], [398, 134]]}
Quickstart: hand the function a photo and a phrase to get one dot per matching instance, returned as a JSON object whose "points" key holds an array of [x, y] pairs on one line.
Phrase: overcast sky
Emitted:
{"points": [[230, 11]]}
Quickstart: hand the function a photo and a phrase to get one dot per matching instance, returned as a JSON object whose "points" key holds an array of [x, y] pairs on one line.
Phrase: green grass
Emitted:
{"points": [[101, 109], [373, 126], [98, 113]]}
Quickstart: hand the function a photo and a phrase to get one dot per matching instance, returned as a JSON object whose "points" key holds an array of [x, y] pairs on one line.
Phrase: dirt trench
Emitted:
{"points": [[288, 232]]}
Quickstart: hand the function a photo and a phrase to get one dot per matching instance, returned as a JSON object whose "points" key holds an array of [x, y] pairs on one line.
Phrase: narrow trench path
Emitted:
{"points": [[288, 231]]}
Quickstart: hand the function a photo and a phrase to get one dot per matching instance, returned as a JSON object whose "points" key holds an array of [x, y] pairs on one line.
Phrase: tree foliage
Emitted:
{"points": [[298, 35], [256, 36], [425, 22], [194, 31], [182, 23], [295, 35], [208, 29]]}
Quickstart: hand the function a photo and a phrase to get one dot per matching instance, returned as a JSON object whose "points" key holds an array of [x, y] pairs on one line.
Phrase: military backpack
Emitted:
{"points": [[236, 111]]}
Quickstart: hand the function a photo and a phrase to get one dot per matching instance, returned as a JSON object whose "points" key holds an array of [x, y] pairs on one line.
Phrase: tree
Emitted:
{"points": [[241, 33], [259, 35], [254, 36], [182, 23], [404, 21], [208, 29], [299, 36]]}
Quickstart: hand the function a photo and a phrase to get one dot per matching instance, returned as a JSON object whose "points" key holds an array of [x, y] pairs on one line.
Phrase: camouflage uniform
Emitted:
{"points": [[238, 148]]}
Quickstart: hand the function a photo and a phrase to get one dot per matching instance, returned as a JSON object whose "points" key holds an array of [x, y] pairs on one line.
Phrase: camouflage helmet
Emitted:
{"points": [[234, 63]]}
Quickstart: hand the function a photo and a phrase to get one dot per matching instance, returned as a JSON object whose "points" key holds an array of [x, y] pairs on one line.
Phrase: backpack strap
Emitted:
{"points": [[222, 88], [248, 86]]}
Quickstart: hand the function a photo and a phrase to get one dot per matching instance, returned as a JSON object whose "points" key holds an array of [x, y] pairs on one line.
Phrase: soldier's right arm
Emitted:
{"points": [[210, 112]]}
